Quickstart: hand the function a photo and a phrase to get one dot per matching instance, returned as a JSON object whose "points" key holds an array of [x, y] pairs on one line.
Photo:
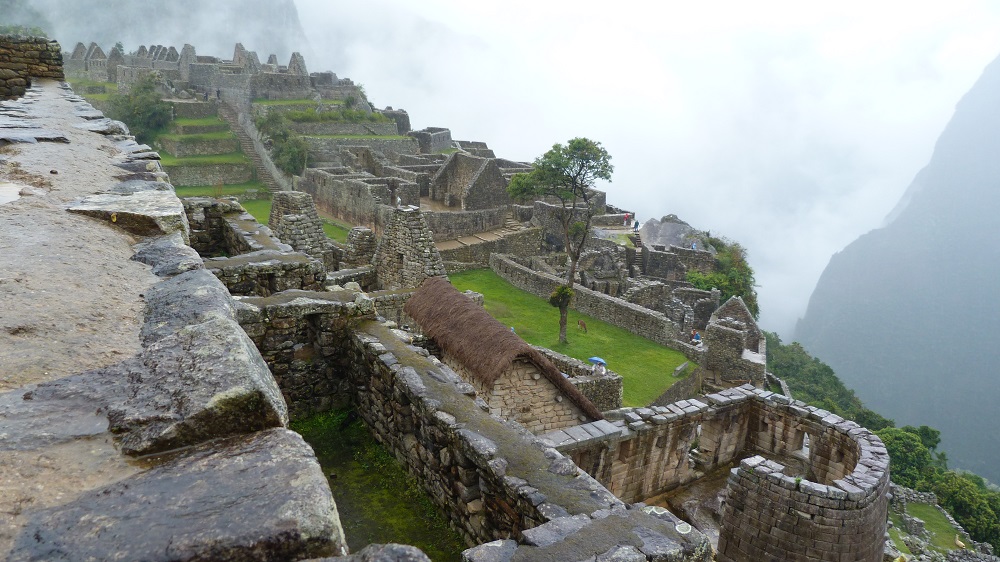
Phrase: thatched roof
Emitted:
{"points": [[487, 348]]}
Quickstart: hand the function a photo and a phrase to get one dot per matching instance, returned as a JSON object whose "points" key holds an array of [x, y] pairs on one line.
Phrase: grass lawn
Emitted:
{"points": [[896, 535], [199, 137], [231, 158], [335, 230], [942, 532], [210, 190], [259, 208], [646, 367], [214, 120]]}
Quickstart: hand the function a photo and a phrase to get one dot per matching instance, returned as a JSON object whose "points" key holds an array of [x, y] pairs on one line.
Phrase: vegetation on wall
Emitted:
{"points": [[22, 30], [288, 151], [341, 115], [733, 275], [142, 109]]}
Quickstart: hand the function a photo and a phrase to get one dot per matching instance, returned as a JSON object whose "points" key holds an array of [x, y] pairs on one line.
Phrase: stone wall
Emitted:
{"points": [[266, 272], [829, 501], [688, 387], [301, 336], [522, 243], [209, 174], [524, 395], [448, 225], [405, 254], [432, 139], [605, 391], [24, 58], [641, 321], [215, 227], [327, 149], [295, 222], [346, 198], [188, 147]]}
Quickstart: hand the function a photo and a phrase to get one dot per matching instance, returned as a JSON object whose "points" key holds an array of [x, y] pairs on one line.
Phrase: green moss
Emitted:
{"points": [[378, 501], [645, 366]]}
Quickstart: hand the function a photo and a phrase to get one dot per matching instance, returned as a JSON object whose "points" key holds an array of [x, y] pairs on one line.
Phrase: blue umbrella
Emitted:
{"points": [[597, 360]]}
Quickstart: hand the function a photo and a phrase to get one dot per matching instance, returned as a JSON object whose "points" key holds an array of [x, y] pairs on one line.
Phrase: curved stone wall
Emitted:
{"points": [[839, 513]]}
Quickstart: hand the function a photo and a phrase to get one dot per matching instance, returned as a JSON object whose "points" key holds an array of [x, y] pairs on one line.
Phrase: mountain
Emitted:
{"points": [[907, 314], [214, 27]]}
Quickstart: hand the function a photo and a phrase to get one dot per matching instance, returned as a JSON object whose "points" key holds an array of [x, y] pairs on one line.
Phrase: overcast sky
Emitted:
{"points": [[791, 127]]}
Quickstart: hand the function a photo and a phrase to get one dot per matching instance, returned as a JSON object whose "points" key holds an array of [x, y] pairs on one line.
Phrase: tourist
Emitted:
{"points": [[695, 337], [627, 217], [635, 227]]}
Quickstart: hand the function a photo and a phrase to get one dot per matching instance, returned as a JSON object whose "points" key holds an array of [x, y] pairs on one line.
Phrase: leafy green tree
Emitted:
{"points": [[969, 504], [929, 436], [733, 275], [289, 152], [909, 460], [567, 173], [141, 109]]}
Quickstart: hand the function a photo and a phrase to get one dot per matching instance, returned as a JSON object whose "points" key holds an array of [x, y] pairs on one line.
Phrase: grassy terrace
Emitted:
{"points": [[646, 367], [214, 120], [942, 532], [228, 189], [232, 158], [198, 137]]}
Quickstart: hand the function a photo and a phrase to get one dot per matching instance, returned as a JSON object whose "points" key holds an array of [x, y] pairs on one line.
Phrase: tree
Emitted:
{"points": [[909, 460], [733, 275], [141, 109], [567, 173]]}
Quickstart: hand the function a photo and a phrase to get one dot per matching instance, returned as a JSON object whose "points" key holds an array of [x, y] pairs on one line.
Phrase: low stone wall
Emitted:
{"points": [[523, 243], [688, 387], [641, 321], [605, 391], [183, 148], [24, 58], [211, 174], [447, 225], [266, 272], [327, 149]]}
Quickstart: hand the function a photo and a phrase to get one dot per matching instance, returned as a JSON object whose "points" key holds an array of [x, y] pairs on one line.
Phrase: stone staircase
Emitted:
{"points": [[246, 144]]}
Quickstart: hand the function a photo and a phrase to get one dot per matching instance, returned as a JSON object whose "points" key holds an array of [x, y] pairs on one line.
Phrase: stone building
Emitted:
{"points": [[516, 381], [737, 349]]}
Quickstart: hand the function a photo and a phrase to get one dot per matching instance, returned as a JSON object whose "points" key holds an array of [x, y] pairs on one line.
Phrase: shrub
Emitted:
{"points": [[141, 109]]}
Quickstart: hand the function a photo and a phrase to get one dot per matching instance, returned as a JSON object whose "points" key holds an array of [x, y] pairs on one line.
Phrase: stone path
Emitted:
{"points": [[70, 300]]}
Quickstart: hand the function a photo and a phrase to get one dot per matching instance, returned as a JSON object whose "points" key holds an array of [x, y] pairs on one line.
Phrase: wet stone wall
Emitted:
{"points": [[24, 58]]}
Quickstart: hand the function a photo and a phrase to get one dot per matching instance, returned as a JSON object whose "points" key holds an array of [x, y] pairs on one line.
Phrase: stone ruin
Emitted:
{"points": [[242, 332]]}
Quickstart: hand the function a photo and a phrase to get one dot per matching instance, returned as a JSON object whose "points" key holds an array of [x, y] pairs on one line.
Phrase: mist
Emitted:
{"points": [[789, 127]]}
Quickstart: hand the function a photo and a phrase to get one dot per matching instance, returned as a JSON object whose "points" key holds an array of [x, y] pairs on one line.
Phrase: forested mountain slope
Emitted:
{"points": [[907, 314]]}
